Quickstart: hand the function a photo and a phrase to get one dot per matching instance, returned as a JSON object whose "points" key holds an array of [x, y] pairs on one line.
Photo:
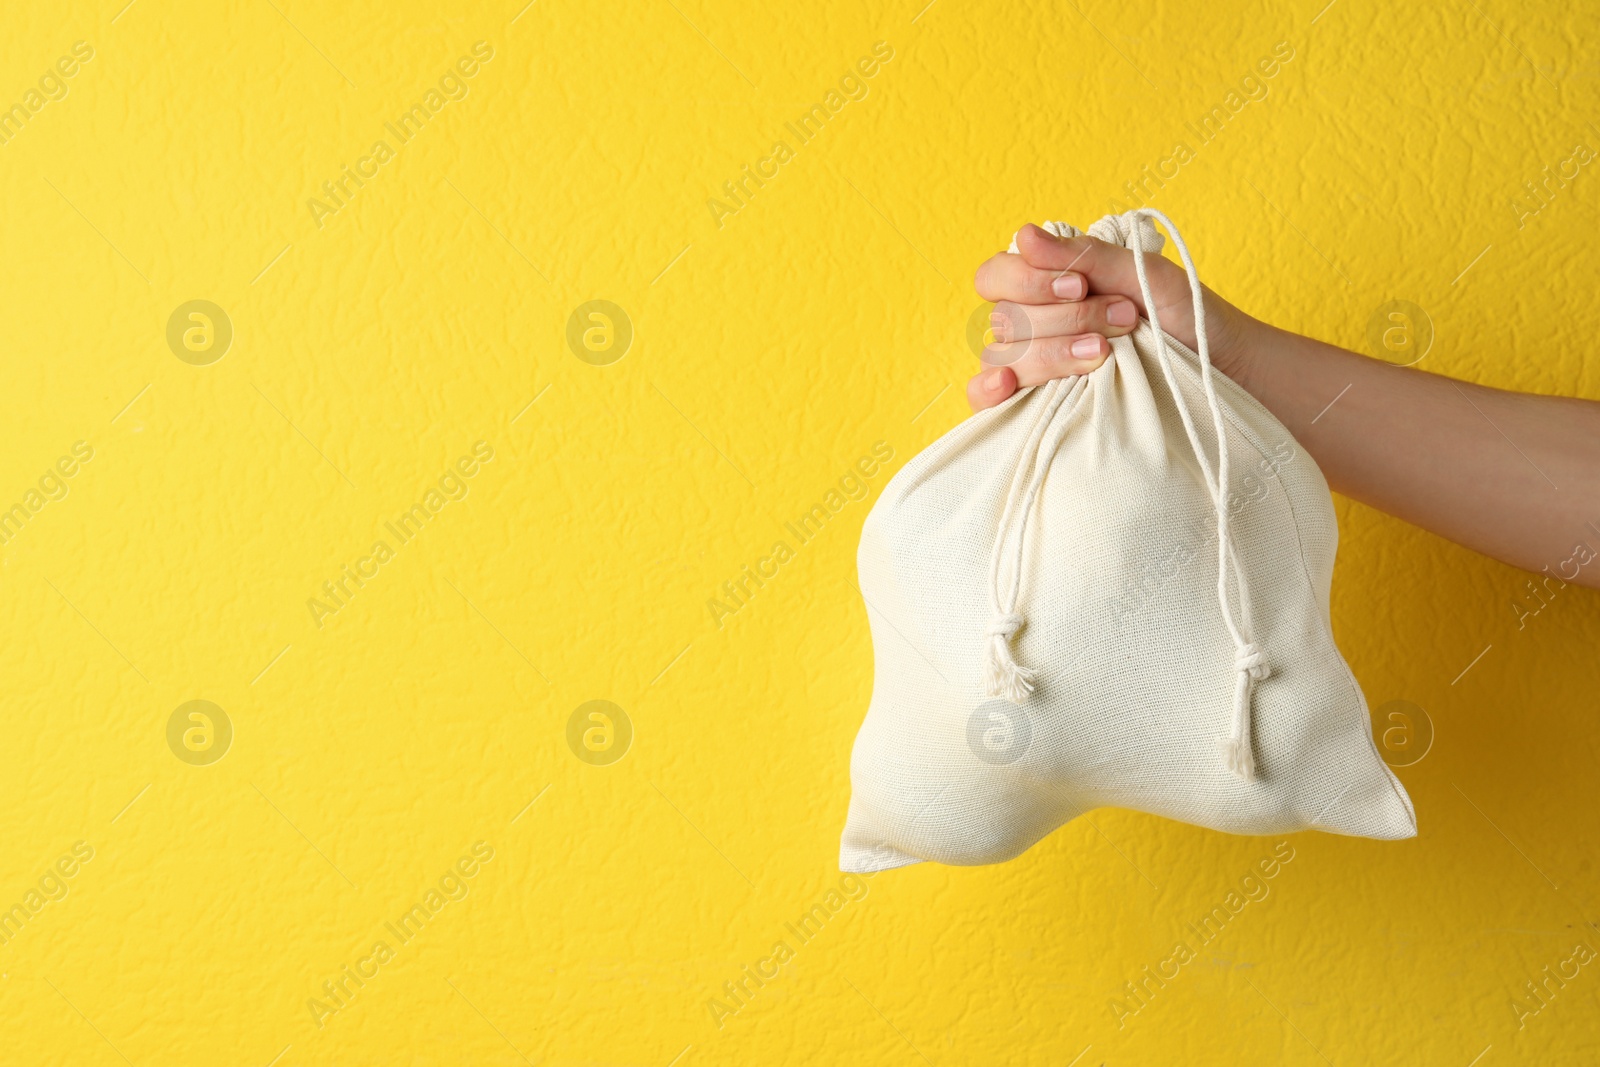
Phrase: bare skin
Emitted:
{"points": [[1514, 476]]}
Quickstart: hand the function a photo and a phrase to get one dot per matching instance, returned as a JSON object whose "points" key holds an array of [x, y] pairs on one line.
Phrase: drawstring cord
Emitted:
{"points": [[1003, 676], [1248, 660]]}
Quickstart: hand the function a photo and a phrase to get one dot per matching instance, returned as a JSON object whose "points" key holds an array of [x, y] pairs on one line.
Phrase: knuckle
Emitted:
{"points": [[1080, 316], [1082, 253], [1054, 349], [1000, 322], [980, 279], [987, 276], [1018, 320]]}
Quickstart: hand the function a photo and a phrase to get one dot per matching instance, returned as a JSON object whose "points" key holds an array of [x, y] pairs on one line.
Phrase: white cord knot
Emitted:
{"points": [[1252, 661], [1005, 626], [1003, 676], [1238, 750]]}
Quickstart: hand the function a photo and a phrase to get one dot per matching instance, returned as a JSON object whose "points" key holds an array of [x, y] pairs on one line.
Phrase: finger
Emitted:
{"points": [[1108, 268], [991, 386], [1009, 277], [1111, 315], [1042, 359]]}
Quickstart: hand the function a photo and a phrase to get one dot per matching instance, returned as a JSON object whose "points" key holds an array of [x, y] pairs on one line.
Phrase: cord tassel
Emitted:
{"points": [[1003, 676], [1249, 661], [1238, 750]]}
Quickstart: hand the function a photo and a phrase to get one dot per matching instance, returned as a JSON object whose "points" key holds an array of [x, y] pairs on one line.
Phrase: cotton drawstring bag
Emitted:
{"points": [[1110, 590]]}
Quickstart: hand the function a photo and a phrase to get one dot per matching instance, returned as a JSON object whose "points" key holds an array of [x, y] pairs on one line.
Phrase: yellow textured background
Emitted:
{"points": [[770, 352]]}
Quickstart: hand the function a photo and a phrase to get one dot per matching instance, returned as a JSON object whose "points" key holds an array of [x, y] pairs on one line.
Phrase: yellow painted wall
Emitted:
{"points": [[378, 340]]}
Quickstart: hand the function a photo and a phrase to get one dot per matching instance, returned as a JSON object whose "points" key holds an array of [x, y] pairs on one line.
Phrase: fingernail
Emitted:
{"points": [[1068, 287], [1122, 313], [1087, 347], [994, 381]]}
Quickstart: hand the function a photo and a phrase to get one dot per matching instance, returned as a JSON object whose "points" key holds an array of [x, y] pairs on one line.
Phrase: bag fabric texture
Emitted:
{"points": [[1110, 590]]}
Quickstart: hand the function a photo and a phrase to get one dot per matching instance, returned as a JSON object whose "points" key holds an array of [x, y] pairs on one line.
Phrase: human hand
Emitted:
{"points": [[1058, 301]]}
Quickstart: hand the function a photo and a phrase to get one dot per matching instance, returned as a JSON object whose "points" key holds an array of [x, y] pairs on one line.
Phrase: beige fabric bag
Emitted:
{"points": [[1067, 614]]}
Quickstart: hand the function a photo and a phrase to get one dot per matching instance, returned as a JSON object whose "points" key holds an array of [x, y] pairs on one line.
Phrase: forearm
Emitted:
{"points": [[1512, 475]]}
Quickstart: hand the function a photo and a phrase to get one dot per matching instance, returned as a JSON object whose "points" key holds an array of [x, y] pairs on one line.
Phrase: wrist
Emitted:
{"points": [[1235, 340]]}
